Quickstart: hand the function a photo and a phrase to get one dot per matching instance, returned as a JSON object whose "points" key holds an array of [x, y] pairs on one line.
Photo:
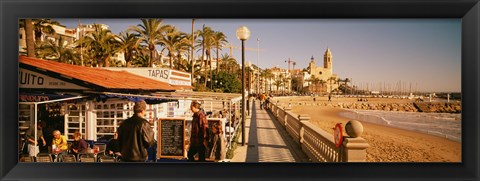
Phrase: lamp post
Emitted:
{"points": [[243, 34], [249, 85], [258, 67]]}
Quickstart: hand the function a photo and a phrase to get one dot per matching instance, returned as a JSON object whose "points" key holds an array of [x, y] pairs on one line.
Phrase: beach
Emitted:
{"points": [[387, 144]]}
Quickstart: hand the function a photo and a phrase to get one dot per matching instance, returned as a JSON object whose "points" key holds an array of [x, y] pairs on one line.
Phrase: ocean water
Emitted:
{"points": [[440, 124]]}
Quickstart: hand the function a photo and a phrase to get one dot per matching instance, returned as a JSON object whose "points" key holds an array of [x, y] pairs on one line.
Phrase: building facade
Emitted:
{"points": [[321, 79]]}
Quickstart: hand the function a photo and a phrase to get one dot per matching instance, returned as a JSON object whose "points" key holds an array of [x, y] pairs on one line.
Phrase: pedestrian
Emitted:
{"points": [[329, 97], [135, 135], [198, 134], [219, 145], [32, 142]]}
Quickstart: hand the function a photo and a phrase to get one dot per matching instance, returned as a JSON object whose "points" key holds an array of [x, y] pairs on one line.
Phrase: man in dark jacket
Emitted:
{"points": [[135, 135]]}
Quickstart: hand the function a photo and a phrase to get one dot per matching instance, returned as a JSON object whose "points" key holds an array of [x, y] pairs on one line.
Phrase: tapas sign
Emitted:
{"points": [[338, 135]]}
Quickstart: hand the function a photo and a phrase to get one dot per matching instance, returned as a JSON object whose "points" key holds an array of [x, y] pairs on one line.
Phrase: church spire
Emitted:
{"points": [[327, 59]]}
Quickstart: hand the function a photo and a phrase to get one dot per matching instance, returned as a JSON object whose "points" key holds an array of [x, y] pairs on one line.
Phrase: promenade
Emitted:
{"points": [[266, 140]]}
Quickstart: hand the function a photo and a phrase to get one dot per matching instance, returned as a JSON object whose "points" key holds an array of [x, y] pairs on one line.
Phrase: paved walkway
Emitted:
{"points": [[266, 140]]}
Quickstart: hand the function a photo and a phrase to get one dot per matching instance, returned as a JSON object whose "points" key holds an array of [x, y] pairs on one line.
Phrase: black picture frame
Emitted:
{"points": [[467, 10]]}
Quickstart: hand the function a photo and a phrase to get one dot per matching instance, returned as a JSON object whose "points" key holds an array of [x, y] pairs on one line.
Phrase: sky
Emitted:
{"points": [[424, 54]]}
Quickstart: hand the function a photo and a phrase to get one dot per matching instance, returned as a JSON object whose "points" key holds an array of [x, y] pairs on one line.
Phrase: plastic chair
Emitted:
{"points": [[86, 158], [69, 158], [106, 159], [41, 157], [27, 159]]}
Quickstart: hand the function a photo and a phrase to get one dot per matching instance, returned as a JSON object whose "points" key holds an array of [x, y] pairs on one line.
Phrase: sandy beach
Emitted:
{"points": [[387, 144]]}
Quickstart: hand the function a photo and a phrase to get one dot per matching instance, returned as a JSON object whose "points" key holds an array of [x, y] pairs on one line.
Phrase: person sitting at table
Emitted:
{"points": [[79, 145], [59, 142], [112, 146]]}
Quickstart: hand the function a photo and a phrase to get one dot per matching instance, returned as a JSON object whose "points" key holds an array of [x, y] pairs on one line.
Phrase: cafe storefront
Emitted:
{"points": [[92, 101]]}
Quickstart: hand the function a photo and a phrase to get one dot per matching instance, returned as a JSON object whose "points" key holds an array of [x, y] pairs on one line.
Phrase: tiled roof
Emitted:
{"points": [[101, 77]]}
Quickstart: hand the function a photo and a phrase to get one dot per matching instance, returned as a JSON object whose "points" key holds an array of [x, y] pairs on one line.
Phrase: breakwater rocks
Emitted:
{"points": [[431, 107]]}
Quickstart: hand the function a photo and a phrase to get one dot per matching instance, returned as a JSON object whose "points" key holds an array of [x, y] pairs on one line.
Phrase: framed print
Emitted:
{"points": [[336, 90]]}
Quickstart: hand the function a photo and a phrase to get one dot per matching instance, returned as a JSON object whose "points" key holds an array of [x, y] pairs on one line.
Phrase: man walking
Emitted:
{"points": [[135, 135], [198, 136]]}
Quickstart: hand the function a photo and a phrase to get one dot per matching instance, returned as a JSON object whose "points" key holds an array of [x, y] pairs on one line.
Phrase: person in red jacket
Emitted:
{"points": [[198, 135]]}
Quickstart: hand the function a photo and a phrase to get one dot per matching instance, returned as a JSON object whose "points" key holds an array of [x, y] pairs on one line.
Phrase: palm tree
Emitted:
{"points": [[103, 43], [338, 81], [43, 26], [141, 58], [206, 42], [151, 32], [129, 44], [322, 84], [173, 41], [269, 75], [219, 41], [227, 63], [29, 38], [59, 51], [315, 81], [330, 80], [309, 82], [193, 50], [347, 80]]}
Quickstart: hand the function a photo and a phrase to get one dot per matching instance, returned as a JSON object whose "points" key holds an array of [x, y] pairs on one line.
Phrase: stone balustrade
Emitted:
{"points": [[316, 143]]}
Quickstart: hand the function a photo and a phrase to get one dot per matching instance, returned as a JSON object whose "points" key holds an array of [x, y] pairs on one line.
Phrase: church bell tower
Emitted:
{"points": [[327, 59]]}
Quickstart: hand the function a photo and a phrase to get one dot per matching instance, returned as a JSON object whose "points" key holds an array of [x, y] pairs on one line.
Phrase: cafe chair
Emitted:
{"points": [[42, 157], [86, 158], [27, 159], [106, 159], [69, 158]]}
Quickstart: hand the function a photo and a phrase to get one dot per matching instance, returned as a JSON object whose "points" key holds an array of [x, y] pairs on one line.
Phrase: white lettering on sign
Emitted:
{"points": [[31, 79]]}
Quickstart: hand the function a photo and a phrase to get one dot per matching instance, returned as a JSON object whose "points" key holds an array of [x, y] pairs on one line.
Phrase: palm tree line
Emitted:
{"points": [[138, 44]]}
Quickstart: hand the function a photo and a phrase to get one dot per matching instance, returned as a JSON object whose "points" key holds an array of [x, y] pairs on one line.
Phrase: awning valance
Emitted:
{"points": [[134, 98]]}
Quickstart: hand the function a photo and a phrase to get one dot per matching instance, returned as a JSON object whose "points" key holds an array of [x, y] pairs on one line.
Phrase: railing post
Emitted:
{"points": [[303, 118], [354, 147], [287, 108], [277, 111]]}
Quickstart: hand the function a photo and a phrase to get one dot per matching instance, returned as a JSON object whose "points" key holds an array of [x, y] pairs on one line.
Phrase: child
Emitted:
{"points": [[218, 148]]}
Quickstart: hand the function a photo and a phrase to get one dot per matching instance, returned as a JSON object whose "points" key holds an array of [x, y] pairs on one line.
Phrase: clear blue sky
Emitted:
{"points": [[425, 53]]}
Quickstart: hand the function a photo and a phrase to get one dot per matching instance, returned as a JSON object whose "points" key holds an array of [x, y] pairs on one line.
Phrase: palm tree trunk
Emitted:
{"points": [[193, 49], [107, 62], [127, 58], [152, 50], [29, 38], [218, 60], [171, 58]]}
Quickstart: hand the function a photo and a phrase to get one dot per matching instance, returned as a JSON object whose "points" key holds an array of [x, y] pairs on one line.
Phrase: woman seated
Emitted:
{"points": [[112, 146], [79, 145]]}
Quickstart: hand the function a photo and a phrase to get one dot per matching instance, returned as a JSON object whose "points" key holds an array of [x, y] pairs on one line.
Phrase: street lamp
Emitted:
{"points": [[258, 67], [243, 33], [249, 85]]}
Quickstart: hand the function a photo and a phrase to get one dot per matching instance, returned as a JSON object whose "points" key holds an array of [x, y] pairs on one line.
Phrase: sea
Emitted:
{"points": [[445, 125]]}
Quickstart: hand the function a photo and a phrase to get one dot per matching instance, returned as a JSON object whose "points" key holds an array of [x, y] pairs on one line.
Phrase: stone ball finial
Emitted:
{"points": [[354, 128]]}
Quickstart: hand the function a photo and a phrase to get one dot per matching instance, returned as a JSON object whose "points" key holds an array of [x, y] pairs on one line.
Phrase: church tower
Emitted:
{"points": [[312, 67], [327, 59]]}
